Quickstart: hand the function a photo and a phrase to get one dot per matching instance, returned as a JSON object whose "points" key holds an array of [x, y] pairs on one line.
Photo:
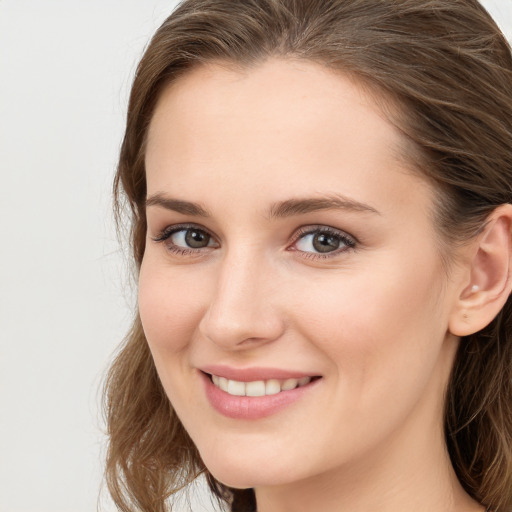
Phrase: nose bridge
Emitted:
{"points": [[240, 308]]}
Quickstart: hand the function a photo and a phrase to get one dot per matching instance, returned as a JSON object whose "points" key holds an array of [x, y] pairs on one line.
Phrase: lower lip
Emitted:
{"points": [[249, 407]]}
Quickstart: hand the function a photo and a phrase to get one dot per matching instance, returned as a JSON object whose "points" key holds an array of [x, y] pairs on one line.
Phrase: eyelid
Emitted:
{"points": [[350, 240], [168, 231], [179, 251]]}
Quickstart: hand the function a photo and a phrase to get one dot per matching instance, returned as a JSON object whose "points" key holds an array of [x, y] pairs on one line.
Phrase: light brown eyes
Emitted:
{"points": [[192, 238], [321, 242], [185, 239], [311, 241]]}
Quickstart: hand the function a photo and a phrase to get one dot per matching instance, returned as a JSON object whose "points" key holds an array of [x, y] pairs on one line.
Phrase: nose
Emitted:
{"points": [[242, 312]]}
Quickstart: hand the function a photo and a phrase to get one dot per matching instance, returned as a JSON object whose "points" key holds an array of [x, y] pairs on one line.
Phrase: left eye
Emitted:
{"points": [[324, 241]]}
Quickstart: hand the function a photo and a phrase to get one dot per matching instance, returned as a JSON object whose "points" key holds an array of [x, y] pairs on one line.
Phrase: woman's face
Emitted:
{"points": [[291, 254]]}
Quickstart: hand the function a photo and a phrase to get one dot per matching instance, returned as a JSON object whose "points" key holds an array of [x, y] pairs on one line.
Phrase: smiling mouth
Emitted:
{"points": [[258, 387]]}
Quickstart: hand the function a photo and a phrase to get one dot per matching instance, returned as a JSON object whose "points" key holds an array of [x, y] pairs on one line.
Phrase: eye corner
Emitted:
{"points": [[345, 242], [184, 245]]}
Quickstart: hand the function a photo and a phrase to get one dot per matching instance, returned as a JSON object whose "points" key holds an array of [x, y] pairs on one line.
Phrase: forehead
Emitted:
{"points": [[282, 127], [274, 96]]}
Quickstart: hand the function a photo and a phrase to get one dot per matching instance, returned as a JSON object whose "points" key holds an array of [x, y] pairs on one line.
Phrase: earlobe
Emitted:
{"points": [[489, 284]]}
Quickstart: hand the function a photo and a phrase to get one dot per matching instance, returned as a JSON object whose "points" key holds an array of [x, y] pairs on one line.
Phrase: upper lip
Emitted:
{"points": [[253, 373]]}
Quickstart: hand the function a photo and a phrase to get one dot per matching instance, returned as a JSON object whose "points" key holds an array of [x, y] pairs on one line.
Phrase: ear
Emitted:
{"points": [[487, 282]]}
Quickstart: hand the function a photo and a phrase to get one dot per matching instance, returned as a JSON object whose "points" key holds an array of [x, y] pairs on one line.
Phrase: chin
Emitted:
{"points": [[243, 478], [244, 474]]}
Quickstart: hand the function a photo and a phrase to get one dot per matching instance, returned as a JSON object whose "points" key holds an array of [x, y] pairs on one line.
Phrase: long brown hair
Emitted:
{"points": [[447, 69]]}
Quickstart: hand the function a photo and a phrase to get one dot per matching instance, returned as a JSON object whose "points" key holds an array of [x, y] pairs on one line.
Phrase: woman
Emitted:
{"points": [[321, 216]]}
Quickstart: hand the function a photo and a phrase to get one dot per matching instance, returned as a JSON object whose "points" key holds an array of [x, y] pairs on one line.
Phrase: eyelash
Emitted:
{"points": [[348, 242], [176, 249]]}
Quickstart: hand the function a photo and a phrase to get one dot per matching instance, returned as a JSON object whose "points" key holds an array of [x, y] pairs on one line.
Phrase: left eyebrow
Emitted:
{"points": [[301, 206]]}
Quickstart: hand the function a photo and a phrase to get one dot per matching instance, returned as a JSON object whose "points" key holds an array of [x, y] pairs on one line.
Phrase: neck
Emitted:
{"points": [[416, 484]]}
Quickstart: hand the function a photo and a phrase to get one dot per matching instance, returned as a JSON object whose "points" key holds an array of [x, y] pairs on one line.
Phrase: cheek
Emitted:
{"points": [[169, 306], [378, 326]]}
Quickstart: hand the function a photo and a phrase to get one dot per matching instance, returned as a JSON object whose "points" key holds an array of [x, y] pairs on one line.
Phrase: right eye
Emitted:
{"points": [[185, 239]]}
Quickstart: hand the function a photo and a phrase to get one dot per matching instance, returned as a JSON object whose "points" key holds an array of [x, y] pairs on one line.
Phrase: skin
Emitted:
{"points": [[372, 320]]}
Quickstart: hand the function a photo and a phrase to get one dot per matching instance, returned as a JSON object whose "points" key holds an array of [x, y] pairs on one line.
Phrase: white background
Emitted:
{"points": [[65, 300]]}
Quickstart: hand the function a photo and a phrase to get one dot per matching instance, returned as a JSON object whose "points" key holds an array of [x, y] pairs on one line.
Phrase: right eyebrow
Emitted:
{"points": [[177, 205]]}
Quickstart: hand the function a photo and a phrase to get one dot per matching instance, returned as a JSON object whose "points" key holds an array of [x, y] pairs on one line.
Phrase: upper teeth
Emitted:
{"points": [[258, 387]]}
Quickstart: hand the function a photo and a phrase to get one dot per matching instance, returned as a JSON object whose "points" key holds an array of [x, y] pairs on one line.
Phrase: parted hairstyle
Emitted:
{"points": [[446, 70]]}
